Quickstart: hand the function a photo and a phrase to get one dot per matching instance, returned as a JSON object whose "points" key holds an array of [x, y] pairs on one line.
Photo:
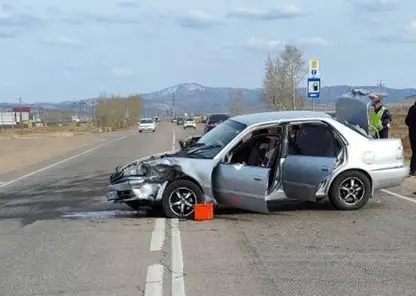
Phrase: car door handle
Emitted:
{"points": [[257, 178], [324, 169]]}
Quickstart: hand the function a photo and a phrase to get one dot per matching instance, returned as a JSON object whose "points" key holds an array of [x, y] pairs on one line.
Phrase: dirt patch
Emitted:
{"points": [[18, 152]]}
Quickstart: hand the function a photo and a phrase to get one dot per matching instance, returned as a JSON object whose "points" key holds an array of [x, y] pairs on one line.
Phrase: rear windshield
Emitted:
{"points": [[218, 117], [189, 119], [146, 121]]}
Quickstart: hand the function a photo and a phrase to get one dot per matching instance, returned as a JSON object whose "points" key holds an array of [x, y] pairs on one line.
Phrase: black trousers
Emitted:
{"points": [[412, 136]]}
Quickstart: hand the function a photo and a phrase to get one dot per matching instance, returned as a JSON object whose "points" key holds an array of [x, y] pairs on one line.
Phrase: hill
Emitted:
{"points": [[196, 97]]}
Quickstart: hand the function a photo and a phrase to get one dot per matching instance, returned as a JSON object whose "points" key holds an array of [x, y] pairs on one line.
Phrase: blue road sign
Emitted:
{"points": [[314, 88]]}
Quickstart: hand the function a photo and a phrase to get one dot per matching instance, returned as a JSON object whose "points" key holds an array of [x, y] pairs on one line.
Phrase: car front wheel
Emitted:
{"points": [[179, 199], [351, 190]]}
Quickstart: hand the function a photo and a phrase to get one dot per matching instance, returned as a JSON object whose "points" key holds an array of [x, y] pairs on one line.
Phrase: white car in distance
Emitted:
{"points": [[190, 122], [147, 124]]}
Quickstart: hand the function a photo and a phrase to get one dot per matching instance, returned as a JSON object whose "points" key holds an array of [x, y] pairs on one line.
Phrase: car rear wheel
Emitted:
{"points": [[179, 199], [140, 131], [351, 190], [153, 130]]}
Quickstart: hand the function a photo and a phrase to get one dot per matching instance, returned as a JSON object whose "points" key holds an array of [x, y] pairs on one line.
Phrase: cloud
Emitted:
{"points": [[114, 19], [408, 35], [287, 12], [122, 72], [263, 45], [313, 41], [198, 20], [4, 35], [63, 41], [10, 19], [375, 5], [128, 4]]}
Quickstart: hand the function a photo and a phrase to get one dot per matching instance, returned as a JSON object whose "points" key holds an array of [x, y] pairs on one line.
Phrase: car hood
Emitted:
{"points": [[353, 111]]}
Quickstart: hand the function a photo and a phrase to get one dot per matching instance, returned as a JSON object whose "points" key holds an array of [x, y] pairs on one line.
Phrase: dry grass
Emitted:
{"points": [[50, 131]]}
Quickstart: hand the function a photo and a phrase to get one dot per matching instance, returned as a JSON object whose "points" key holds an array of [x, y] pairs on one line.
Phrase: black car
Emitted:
{"points": [[213, 120], [179, 121]]}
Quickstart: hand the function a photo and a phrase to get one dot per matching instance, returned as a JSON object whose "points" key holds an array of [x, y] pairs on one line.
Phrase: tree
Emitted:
{"points": [[282, 79], [238, 104], [117, 112]]}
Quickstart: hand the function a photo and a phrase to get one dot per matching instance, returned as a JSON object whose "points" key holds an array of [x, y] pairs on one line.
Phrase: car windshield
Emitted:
{"points": [[218, 117], [146, 121], [189, 119], [214, 141]]}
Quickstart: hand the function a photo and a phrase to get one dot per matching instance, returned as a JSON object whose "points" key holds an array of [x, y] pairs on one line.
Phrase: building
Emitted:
{"points": [[11, 117]]}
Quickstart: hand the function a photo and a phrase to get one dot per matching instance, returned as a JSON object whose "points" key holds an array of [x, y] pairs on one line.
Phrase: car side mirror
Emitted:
{"points": [[182, 144], [118, 168]]}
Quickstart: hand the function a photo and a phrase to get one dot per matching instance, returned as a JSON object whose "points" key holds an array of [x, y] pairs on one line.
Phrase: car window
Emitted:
{"points": [[221, 136], [315, 140], [146, 121], [189, 119], [218, 117]]}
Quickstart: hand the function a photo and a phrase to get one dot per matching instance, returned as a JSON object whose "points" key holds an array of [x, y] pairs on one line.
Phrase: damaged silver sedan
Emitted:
{"points": [[251, 161]]}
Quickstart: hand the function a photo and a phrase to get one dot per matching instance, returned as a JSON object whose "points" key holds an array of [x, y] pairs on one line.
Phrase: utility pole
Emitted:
{"points": [[380, 83], [173, 105], [21, 114]]}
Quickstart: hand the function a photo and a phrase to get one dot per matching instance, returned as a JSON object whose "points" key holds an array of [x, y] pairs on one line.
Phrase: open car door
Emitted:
{"points": [[241, 186], [355, 111], [310, 161]]}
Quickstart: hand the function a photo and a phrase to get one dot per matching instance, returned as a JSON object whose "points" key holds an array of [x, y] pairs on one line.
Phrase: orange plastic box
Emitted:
{"points": [[203, 212]]}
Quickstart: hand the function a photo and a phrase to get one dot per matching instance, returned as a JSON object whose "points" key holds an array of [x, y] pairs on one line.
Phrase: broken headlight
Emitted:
{"points": [[135, 169]]}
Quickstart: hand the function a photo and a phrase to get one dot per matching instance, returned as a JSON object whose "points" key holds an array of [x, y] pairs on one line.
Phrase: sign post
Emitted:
{"points": [[314, 81]]}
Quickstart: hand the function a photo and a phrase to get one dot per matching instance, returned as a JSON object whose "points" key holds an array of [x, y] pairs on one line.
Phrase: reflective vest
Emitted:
{"points": [[376, 121]]}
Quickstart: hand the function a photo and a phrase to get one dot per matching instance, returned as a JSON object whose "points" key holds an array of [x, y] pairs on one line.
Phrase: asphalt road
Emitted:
{"points": [[58, 237]]}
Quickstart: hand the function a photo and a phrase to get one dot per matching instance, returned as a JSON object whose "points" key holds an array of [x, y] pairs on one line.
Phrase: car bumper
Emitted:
{"points": [[134, 189], [150, 128], [189, 125], [387, 178]]}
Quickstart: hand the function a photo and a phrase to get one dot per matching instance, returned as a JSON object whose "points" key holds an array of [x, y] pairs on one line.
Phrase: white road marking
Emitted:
{"points": [[158, 235], [178, 282], [398, 195], [154, 280], [4, 184], [173, 140]]}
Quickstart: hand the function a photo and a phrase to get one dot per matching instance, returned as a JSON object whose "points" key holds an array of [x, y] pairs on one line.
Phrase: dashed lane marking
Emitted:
{"points": [[154, 280], [158, 235], [178, 282]]}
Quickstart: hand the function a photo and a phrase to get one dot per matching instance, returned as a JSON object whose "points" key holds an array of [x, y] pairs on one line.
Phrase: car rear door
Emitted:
{"points": [[241, 186], [310, 161]]}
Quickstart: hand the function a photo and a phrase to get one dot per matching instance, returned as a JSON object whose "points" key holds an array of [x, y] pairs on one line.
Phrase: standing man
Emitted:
{"points": [[380, 119], [411, 124]]}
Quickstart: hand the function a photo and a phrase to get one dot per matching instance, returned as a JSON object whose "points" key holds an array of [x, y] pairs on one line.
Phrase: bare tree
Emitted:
{"points": [[238, 103], [117, 112], [282, 79]]}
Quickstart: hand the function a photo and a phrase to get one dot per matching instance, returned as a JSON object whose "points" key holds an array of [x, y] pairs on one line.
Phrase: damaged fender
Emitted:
{"points": [[147, 178]]}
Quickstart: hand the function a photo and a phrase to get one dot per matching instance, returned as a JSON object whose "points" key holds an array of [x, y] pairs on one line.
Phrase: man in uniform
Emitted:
{"points": [[411, 124], [380, 119]]}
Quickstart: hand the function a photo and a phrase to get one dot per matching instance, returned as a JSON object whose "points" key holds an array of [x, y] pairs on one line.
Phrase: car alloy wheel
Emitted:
{"points": [[182, 201], [351, 191]]}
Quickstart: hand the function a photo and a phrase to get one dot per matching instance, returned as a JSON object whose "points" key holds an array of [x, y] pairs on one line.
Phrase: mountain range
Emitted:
{"points": [[193, 96]]}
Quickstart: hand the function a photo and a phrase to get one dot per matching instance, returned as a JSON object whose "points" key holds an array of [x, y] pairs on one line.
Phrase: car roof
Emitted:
{"points": [[146, 119], [256, 118]]}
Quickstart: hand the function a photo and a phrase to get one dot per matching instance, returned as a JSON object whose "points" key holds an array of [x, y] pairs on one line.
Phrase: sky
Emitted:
{"points": [[55, 50]]}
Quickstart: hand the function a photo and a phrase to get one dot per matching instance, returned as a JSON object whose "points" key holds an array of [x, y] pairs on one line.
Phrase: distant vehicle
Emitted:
{"points": [[147, 124], [213, 120], [156, 119], [173, 120], [255, 160], [189, 122], [179, 120]]}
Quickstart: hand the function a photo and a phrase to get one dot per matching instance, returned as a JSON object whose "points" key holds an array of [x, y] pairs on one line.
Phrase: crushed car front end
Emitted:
{"points": [[141, 181]]}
